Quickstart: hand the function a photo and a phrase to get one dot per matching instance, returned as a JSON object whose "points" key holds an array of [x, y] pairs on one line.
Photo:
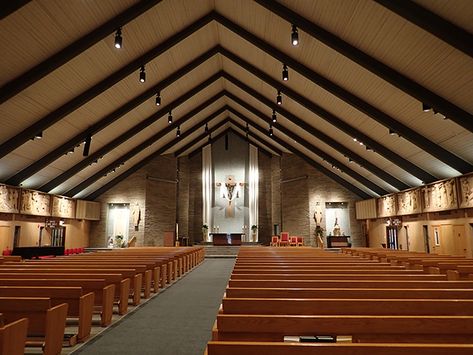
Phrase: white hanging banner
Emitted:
{"points": [[207, 188], [253, 180]]}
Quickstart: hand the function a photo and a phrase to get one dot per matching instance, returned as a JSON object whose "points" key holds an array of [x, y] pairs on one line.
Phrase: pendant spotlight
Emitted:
{"points": [[142, 74], [158, 98], [178, 131], [273, 117], [279, 98], [294, 36], [270, 132], [118, 38], [426, 108], [170, 117], [285, 73], [38, 135], [87, 142], [206, 130]]}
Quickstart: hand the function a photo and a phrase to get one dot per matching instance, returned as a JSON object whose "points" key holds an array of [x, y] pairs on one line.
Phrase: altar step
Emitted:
{"points": [[229, 251]]}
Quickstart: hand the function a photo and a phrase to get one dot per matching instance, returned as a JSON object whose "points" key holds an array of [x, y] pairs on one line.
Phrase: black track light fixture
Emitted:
{"points": [[294, 36], [273, 117], [142, 74], [158, 98], [118, 38], [170, 117], [279, 98], [247, 128], [425, 107], [38, 135], [285, 73], [270, 132], [178, 131], [206, 129], [87, 142]]}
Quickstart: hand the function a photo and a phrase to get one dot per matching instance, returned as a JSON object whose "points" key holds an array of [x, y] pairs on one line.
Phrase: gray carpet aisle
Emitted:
{"points": [[177, 321]]}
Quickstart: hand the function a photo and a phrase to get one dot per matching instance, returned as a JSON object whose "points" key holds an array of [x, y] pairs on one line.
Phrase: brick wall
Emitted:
{"points": [[264, 201], [301, 196]]}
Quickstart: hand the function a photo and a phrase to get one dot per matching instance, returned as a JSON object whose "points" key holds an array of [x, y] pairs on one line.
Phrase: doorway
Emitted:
{"points": [[58, 236], [392, 240], [425, 232], [16, 236]]}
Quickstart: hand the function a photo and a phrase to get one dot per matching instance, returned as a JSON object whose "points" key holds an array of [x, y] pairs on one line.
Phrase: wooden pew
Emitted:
{"points": [[274, 348], [122, 285], [351, 284], [80, 304], [340, 276], [13, 337], [46, 324], [349, 293], [321, 306], [104, 292], [362, 328]]}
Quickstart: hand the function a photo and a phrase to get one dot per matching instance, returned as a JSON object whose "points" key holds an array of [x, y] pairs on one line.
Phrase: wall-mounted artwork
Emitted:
{"points": [[408, 202], [63, 207], [466, 191], [387, 206], [35, 203], [9, 199], [440, 196]]}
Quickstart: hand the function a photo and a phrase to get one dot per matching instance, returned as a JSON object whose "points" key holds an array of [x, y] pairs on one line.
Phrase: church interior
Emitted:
{"points": [[255, 176]]}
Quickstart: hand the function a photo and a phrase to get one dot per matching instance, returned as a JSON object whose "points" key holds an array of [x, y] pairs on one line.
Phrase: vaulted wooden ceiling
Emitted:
{"points": [[362, 70]]}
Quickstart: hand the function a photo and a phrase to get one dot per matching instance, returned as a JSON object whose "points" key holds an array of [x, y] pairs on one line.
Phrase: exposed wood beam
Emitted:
{"points": [[262, 145], [379, 148], [395, 78], [315, 150], [199, 138], [135, 130], [131, 170], [450, 33], [313, 163], [109, 119], [10, 6], [28, 78], [411, 135], [121, 160], [51, 118], [329, 117]]}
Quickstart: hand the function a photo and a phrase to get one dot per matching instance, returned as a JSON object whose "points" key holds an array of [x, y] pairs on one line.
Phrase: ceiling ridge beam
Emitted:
{"points": [[409, 134], [441, 28], [132, 132], [9, 7], [60, 58], [395, 78], [264, 146], [349, 130], [197, 139], [346, 184], [87, 95], [131, 153], [323, 114], [108, 119], [315, 150], [131, 170]]}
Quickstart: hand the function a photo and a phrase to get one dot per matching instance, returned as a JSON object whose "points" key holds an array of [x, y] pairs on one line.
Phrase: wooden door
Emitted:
{"points": [[5, 238], [459, 239]]}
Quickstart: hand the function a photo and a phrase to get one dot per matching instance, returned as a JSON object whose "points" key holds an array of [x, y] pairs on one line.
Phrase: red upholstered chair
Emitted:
{"points": [[274, 241], [284, 239], [293, 241], [300, 241], [75, 251]]}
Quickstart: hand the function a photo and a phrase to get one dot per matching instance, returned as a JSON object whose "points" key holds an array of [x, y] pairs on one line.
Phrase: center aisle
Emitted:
{"points": [[177, 321]]}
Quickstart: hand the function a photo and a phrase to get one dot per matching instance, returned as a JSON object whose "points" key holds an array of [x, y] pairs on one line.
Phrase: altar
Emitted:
{"points": [[226, 238]]}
